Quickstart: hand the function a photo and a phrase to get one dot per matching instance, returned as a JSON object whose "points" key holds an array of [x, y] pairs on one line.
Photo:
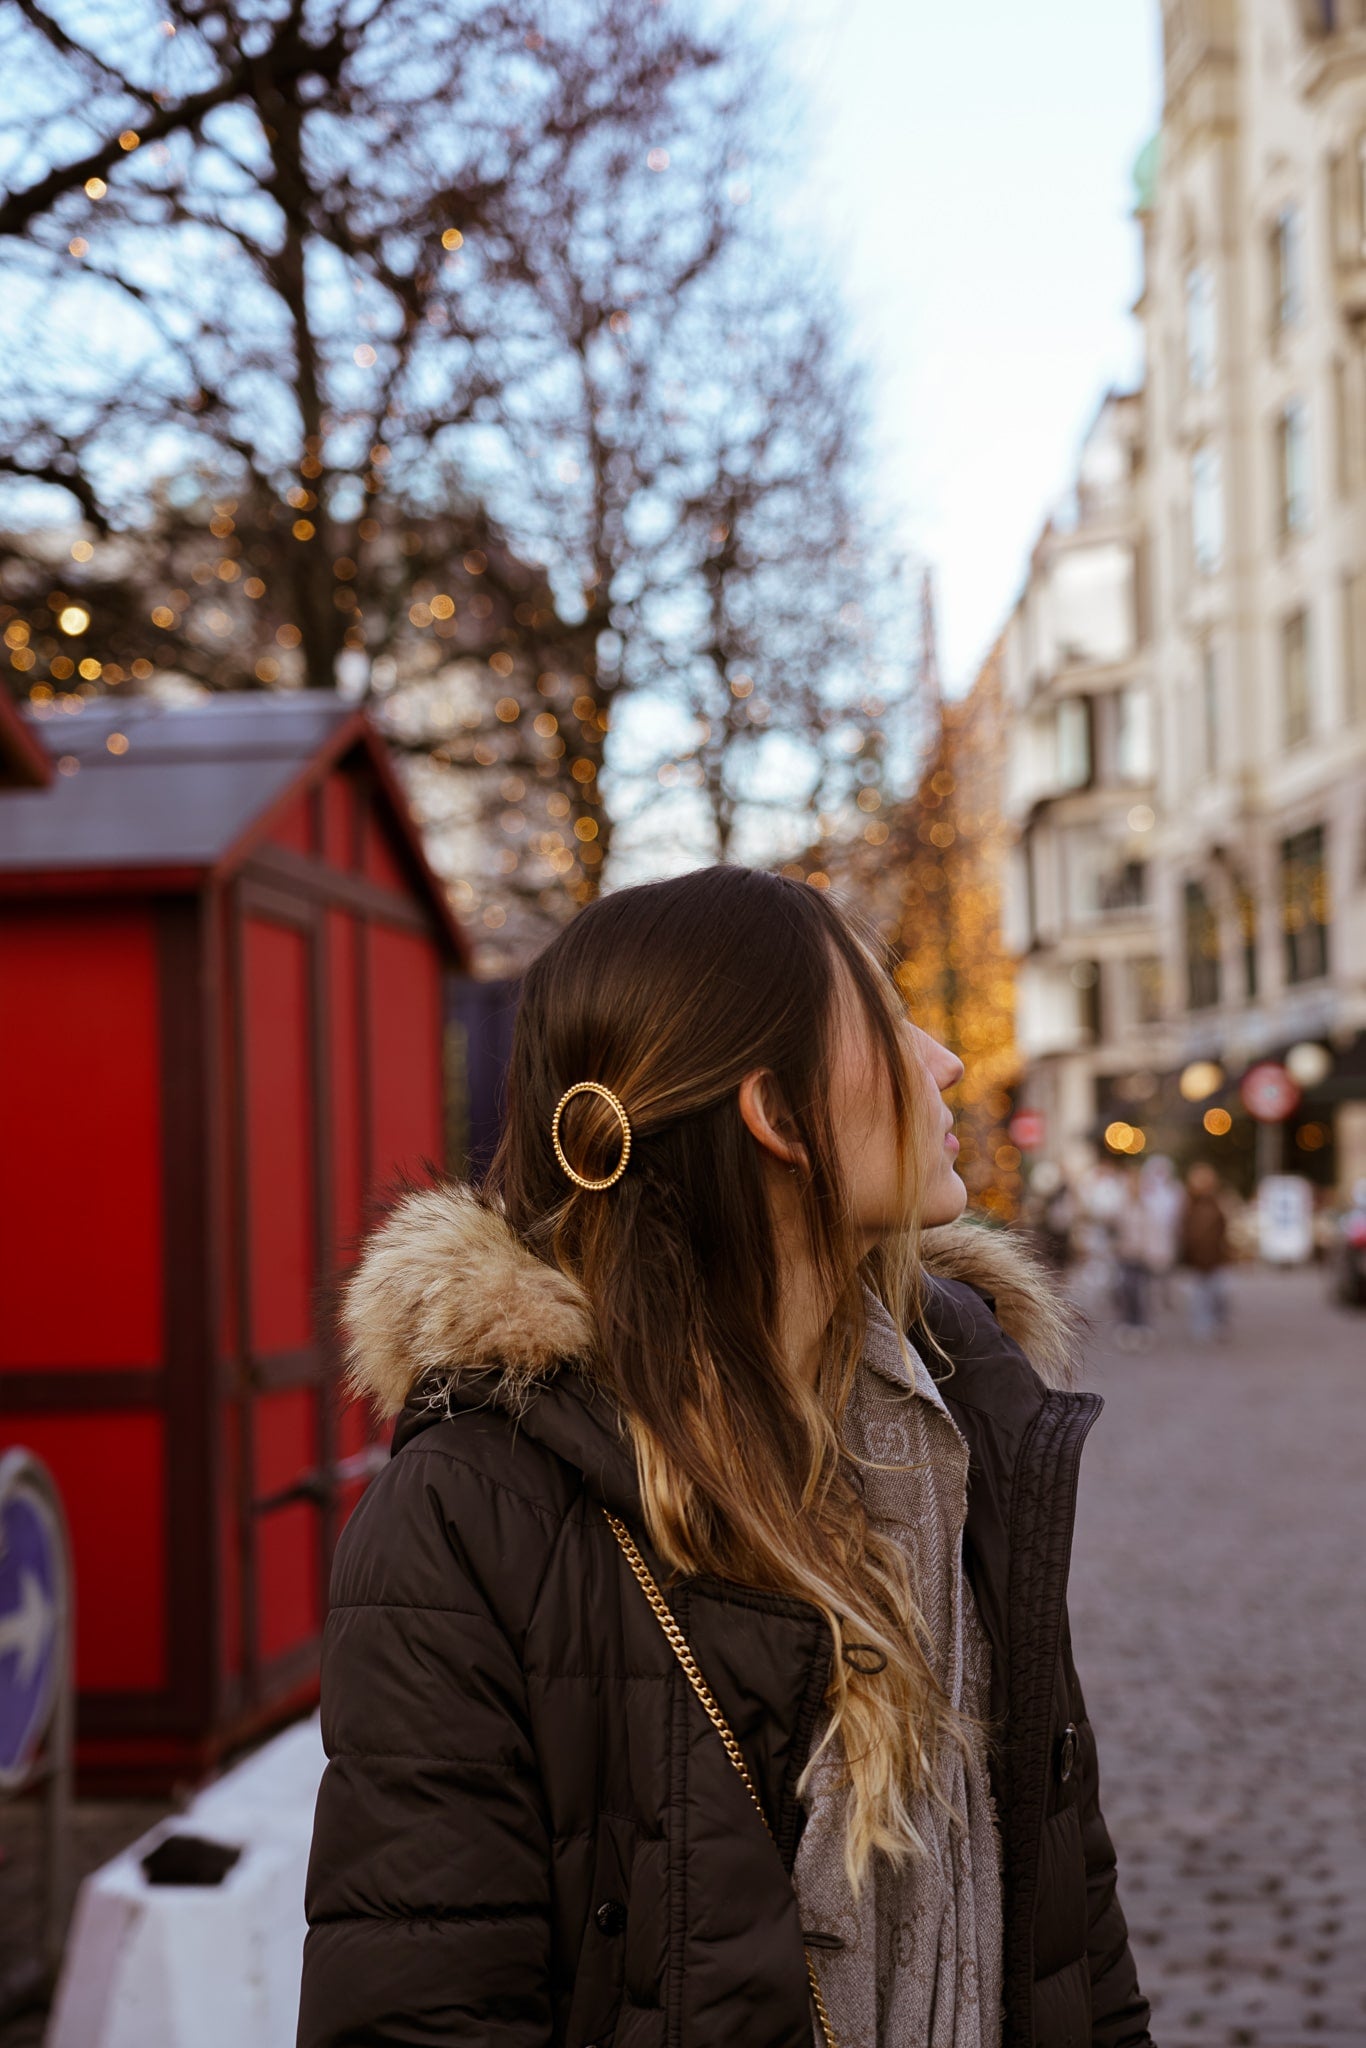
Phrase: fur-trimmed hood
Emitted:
{"points": [[444, 1287]]}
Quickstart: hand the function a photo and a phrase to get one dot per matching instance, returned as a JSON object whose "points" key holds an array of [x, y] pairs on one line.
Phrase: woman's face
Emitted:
{"points": [[861, 1107]]}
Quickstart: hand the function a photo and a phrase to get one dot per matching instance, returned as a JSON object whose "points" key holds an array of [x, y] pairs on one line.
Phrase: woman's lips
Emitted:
{"points": [[950, 1142]]}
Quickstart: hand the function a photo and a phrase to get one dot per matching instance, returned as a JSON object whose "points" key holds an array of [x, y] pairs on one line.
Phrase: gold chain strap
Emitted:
{"points": [[679, 1644]]}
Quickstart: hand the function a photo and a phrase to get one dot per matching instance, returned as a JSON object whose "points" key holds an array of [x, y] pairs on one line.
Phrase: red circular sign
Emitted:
{"points": [[1268, 1093], [1026, 1129]]}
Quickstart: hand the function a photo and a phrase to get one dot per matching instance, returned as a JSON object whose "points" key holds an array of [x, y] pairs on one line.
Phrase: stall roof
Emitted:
{"points": [[24, 761], [192, 791]]}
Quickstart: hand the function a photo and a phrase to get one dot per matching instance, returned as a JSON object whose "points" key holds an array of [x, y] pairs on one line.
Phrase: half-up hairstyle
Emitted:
{"points": [[669, 994]]}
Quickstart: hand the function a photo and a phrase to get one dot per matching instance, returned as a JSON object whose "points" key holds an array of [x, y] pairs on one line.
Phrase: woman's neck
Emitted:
{"points": [[804, 1301]]}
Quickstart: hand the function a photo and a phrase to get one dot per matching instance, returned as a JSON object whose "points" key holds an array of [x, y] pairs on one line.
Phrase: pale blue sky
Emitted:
{"points": [[970, 168]]}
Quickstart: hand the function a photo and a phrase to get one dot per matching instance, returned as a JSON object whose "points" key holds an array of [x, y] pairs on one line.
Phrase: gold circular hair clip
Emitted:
{"points": [[592, 1088]]}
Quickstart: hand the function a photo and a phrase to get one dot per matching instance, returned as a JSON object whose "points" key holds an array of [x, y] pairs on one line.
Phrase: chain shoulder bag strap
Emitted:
{"points": [[678, 1643]]}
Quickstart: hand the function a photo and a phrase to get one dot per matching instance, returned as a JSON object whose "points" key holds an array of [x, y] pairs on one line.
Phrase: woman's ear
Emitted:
{"points": [[761, 1108]]}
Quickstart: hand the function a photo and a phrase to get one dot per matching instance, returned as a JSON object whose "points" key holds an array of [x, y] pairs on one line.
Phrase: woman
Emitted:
{"points": [[664, 1348]]}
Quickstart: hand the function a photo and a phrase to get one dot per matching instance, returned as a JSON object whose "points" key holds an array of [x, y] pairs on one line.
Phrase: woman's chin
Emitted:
{"points": [[946, 1203]]}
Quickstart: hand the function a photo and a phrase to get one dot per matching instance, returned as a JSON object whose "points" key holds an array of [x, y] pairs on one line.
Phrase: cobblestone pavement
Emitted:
{"points": [[1217, 1613]]}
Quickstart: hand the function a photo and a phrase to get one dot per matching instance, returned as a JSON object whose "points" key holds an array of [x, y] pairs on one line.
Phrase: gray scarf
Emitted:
{"points": [[920, 1965]]}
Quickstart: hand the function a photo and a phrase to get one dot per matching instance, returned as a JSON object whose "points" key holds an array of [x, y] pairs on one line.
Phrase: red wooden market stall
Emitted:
{"points": [[24, 761], [223, 970]]}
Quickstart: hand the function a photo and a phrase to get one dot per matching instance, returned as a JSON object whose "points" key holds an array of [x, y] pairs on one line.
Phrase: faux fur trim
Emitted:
{"points": [[445, 1287], [1026, 1298]]}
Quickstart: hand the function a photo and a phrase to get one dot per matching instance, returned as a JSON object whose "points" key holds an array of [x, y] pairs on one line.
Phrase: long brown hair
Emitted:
{"points": [[669, 994]]}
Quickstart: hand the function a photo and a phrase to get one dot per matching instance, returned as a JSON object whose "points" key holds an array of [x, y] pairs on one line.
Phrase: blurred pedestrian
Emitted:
{"points": [[1050, 1213], [1135, 1253], [1166, 1202], [1205, 1252], [1100, 1196]]}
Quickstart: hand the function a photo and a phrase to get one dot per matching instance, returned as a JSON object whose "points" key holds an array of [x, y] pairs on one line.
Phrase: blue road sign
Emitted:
{"points": [[32, 1604]]}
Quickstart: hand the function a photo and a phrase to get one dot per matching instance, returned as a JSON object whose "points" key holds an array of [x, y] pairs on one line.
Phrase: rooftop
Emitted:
{"points": [[234, 756]]}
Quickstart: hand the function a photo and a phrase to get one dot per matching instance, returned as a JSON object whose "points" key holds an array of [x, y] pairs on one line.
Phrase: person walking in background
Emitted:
{"points": [[1205, 1251], [1052, 1211], [1165, 1201], [1134, 1262]]}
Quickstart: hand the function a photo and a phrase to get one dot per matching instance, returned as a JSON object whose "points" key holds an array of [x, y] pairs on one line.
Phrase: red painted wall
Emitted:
{"points": [[339, 820], [288, 1597], [403, 984], [111, 1473], [343, 1023], [279, 1113], [292, 829], [382, 863], [80, 1138], [80, 1250]]}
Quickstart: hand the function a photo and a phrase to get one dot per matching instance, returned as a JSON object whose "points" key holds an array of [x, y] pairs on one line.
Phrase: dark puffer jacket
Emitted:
{"points": [[528, 1832]]}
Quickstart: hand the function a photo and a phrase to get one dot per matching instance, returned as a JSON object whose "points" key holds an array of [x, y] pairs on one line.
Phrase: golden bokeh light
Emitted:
{"points": [[1119, 1136], [1200, 1079]]}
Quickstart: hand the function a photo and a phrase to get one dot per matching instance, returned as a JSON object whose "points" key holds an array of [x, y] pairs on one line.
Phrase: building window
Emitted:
{"points": [[1202, 949], [1074, 743], [1304, 905], [1125, 887], [1246, 905], [1292, 467], [1134, 736], [1201, 331], [1296, 680], [1287, 260], [1145, 987], [1209, 707], [1207, 509]]}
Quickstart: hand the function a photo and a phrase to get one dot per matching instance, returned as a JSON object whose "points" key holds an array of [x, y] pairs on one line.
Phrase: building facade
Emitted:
{"points": [[1248, 527], [1080, 791]]}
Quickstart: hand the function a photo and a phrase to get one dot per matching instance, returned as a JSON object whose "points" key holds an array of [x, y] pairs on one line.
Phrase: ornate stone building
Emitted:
{"points": [[1248, 513], [1080, 790]]}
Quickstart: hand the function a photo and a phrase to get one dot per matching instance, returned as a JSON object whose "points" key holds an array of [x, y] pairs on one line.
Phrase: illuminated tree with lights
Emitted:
{"points": [[385, 286], [928, 871], [949, 851]]}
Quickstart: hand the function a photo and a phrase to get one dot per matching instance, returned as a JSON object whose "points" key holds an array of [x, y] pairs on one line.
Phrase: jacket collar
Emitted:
{"points": [[448, 1310]]}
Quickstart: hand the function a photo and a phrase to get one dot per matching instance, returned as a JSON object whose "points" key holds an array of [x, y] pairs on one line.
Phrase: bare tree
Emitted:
{"points": [[384, 288]]}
